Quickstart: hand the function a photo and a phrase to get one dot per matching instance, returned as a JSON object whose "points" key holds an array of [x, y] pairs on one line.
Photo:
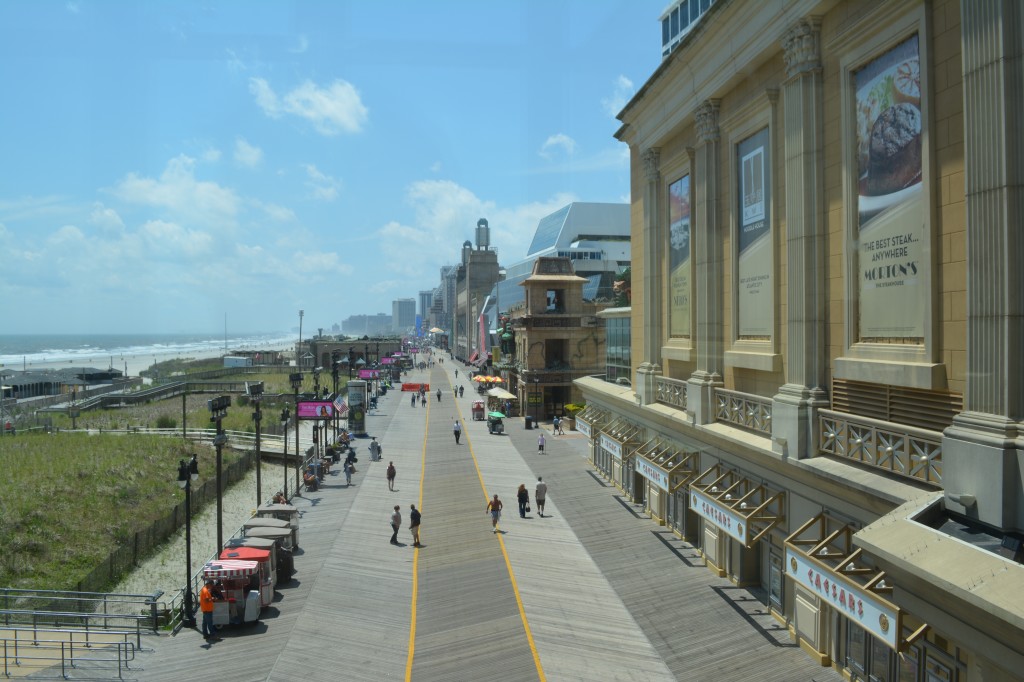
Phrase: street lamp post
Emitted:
{"points": [[218, 410], [284, 438], [334, 376], [255, 394], [351, 360], [187, 473], [296, 382]]}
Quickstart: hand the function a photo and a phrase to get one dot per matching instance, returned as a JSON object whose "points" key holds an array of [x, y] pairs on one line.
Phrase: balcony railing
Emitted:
{"points": [[670, 392], [744, 409], [903, 450]]}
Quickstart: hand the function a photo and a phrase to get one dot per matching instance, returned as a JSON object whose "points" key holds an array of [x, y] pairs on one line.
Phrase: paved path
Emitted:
{"points": [[594, 590]]}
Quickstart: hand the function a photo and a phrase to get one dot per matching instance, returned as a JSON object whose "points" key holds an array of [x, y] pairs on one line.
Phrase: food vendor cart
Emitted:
{"points": [[285, 512], [262, 556], [478, 410], [239, 582], [285, 535], [281, 559]]}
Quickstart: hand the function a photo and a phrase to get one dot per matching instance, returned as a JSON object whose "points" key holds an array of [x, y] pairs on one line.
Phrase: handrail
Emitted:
{"points": [[14, 650]]}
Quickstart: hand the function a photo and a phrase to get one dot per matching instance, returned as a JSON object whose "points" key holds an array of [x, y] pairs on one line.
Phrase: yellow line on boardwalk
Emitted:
{"points": [[508, 564], [416, 560]]}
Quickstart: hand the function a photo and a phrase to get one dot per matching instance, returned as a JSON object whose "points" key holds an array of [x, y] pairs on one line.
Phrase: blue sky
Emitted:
{"points": [[167, 163]]}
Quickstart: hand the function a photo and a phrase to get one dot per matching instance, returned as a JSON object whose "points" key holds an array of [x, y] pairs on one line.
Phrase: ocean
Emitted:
{"points": [[36, 351]]}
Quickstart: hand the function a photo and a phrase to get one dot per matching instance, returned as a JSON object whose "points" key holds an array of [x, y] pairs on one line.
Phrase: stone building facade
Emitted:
{"points": [[826, 324]]}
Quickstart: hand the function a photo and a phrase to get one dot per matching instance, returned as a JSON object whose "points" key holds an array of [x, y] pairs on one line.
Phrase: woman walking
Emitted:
{"points": [[523, 496]]}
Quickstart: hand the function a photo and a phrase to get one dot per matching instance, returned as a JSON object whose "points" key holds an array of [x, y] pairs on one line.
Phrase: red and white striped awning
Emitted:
{"points": [[230, 568]]}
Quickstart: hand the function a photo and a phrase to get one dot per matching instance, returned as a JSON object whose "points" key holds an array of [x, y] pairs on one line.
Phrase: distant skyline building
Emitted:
{"points": [[426, 299], [403, 314], [366, 325]]}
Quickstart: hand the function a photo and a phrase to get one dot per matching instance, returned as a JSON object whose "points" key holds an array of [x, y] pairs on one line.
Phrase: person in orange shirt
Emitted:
{"points": [[206, 599]]}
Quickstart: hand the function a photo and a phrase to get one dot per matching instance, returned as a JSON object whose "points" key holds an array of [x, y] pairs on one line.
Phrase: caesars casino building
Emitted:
{"points": [[826, 324]]}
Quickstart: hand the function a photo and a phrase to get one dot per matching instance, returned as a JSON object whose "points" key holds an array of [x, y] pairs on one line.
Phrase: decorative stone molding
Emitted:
{"points": [[706, 118], [801, 47], [652, 163]]}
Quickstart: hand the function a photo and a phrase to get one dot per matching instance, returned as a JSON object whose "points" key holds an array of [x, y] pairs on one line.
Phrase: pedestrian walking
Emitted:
{"points": [[540, 494], [375, 449], [540, 444], [391, 475], [438, 395], [414, 524], [412, 400], [523, 497], [560, 426], [396, 523], [494, 509], [349, 470], [461, 390], [554, 426], [457, 430], [206, 600], [456, 374]]}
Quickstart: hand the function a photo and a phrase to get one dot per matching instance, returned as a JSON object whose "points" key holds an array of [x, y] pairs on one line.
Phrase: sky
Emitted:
{"points": [[167, 165]]}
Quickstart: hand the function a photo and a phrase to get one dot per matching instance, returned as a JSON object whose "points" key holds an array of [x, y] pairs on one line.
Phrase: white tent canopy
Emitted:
{"points": [[498, 392]]}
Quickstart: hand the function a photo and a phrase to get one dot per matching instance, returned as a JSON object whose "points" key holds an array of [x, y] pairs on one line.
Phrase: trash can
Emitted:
{"points": [[529, 422]]}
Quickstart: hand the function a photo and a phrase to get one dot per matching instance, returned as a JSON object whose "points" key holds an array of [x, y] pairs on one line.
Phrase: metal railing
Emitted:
{"points": [[744, 409], [670, 392], [33, 650], [902, 450], [51, 608]]}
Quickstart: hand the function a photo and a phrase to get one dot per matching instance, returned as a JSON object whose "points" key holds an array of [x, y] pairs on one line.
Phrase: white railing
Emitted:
{"points": [[670, 392], [744, 409], [903, 450]]}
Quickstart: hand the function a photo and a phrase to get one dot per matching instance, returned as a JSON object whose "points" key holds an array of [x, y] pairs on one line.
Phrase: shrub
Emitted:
{"points": [[573, 408], [166, 422]]}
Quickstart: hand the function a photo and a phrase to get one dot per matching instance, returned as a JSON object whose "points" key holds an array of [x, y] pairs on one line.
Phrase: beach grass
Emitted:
{"points": [[72, 499]]}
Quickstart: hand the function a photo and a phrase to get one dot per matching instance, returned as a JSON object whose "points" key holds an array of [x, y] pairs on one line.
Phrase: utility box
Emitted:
{"points": [[236, 361]]}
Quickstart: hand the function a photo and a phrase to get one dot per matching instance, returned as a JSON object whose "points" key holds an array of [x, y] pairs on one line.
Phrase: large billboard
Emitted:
{"points": [[679, 257], [315, 409], [754, 242], [892, 258]]}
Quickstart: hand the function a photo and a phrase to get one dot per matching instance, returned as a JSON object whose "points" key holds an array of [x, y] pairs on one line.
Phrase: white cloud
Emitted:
{"points": [[246, 154], [324, 186], [446, 215], [107, 219], [166, 238], [178, 191], [555, 142], [275, 212], [210, 155], [334, 109], [68, 235], [622, 92]]}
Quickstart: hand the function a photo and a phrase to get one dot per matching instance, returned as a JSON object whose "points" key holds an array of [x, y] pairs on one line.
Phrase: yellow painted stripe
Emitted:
{"points": [[416, 560], [508, 564]]}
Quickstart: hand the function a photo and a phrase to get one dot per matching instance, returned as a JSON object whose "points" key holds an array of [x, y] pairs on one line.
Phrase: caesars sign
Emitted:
{"points": [[679, 256], [891, 251]]}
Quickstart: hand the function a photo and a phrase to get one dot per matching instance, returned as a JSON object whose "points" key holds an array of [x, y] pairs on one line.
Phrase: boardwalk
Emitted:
{"points": [[592, 591]]}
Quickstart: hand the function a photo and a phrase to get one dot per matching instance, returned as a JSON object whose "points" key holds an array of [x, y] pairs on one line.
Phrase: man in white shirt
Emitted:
{"points": [[540, 494]]}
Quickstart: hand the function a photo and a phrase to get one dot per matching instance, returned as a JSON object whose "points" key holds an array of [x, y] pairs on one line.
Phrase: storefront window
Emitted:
{"points": [[867, 658]]}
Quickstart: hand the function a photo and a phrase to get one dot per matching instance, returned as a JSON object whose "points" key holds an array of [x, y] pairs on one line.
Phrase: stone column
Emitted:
{"points": [[983, 451], [794, 408], [706, 246], [653, 279]]}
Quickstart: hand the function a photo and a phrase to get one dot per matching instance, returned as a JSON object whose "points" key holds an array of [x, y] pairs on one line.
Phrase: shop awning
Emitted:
{"points": [[746, 510], [591, 420], [677, 466], [230, 568], [499, 392], [621, 431], [821, 557], [473, 357]]}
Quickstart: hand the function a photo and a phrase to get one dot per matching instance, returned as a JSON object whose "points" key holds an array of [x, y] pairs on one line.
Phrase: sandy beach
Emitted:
{"points": [[133, 364]]}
